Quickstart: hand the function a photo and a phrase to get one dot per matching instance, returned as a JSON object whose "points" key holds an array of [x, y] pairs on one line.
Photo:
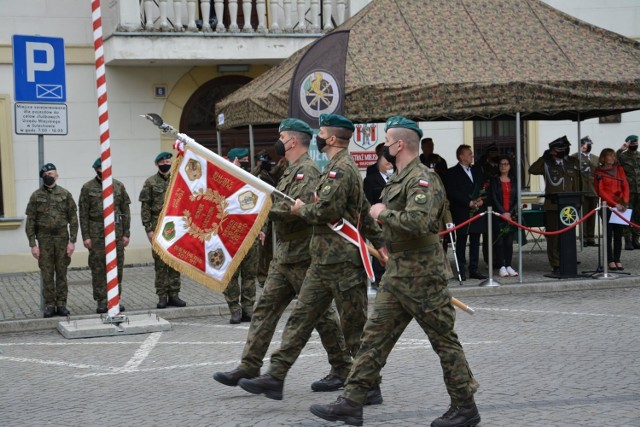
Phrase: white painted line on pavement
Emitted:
{"points": [[53, 363], [568, 313], [142, 352]]}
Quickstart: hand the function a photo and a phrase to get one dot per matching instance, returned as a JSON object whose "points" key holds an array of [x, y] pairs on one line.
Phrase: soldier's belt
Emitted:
{"points": [[418, 243], [296, 235], [51, 231], [322, 229]]}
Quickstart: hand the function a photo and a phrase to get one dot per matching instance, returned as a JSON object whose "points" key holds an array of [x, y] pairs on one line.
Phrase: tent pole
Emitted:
{"points": [[582, 225], [219, 142], [251, 148], [519, 192]]}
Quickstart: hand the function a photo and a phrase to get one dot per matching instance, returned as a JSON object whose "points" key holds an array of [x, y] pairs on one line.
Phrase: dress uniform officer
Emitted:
{"points": [[588, 165], [630, 160]]}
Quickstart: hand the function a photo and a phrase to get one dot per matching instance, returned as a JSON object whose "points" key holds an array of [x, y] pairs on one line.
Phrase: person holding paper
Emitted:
{"points": [[612, 186]]}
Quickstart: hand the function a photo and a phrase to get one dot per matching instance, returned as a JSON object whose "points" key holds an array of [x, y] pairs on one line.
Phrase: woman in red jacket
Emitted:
{"points": [[611, 186]]}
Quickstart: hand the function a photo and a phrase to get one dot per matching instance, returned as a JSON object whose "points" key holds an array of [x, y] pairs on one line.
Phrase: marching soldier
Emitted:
{"points": [[414, 286], [588, 164], [630, 160], [289, 267], [92, 229], [52, 229], [561, 174], [152, 199]]}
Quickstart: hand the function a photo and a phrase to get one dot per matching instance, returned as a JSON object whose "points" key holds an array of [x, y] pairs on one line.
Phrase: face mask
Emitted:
{"points": [[633, 148], [280, 148], [99, 175], [389, 172], [588, 150], [388, 157], [245, 165], [48, 180], [265, 166], [164, 168], [321, 143]]}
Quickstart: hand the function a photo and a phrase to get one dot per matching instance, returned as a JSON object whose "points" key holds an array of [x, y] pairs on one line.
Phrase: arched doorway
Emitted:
{"points": [[199, 117]]}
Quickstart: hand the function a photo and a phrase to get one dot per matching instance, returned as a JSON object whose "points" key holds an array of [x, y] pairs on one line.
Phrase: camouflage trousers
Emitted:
{"points": [[282, 285], [242, 297], [98, 266], [167, 279], [392, 311], [634, 203], [344, 282], [53, 265]]}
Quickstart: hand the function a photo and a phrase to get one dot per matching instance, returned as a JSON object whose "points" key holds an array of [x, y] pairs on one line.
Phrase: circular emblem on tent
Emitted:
{"points": [[568, 215], [319, 94]]}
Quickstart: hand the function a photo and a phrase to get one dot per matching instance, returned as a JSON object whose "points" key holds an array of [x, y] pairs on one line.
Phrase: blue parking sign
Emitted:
{"points": [[39, 69]]}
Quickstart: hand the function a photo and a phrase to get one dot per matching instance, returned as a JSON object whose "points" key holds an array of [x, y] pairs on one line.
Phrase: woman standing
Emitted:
{"points": [[504, 198], [611, 186]]}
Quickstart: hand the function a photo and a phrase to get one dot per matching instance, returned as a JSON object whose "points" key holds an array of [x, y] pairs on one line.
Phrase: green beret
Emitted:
{"points": [[46, 168], [402, 122], [164, 155], [296, 125], [237, 153], [97, 164], [631, 138], [560, 142], [336, 121]]}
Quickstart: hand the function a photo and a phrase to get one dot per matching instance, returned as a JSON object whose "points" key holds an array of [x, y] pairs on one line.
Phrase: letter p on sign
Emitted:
{"points": [[35, 62]]}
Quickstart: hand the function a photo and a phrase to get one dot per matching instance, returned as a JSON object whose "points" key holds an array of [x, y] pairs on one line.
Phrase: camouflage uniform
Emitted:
{"points": [[52, 220], [92, 227], [414, 286], [558, 178], [242, 297], [152, 199], [336, 270], [588, 164], [286, 273], [630, 161]]}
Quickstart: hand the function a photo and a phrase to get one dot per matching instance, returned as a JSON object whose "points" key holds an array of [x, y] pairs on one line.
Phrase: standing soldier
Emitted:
{"points": [[92, 229], [152, 199], [588, 164], [52, 221], [289, 267], [336, 267], [630, 160], [414, 286], [561, 174]]}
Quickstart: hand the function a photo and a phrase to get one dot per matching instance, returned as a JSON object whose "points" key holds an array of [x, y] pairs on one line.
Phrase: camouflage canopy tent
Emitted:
{"points": [[464, 60]]}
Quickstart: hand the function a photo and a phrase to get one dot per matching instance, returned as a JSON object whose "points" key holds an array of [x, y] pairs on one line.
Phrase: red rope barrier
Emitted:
{"points": [[550, 233], [462, 224], [624, 219]]}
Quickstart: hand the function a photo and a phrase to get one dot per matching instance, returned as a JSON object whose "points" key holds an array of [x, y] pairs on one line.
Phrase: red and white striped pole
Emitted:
{"points": [[113, 297]]}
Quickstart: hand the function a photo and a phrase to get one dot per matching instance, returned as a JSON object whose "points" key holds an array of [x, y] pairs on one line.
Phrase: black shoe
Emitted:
{"points": [[628, 246], [162, 302], [556, 270], [102, 308], [246, 316], [341, 410], [231, 378], [374, 396], [121, 308], [49, 312], [459, 416], [236, 317], [636, 244], [176, 301], [62, 311], [477, 275], [328, 383], [590, 243], [264, 384], [463, 277]]}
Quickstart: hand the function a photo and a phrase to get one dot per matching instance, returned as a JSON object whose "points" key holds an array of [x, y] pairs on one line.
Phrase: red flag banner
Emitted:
{"points": [[213, 212]]}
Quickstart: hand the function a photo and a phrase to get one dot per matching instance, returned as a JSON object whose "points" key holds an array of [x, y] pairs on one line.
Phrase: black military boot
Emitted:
{"points": [[246, 316], [121, 308], [62, 311], [374, 396], [328, 383], [102, 308], [175, 301], [265, 384], [236, 317], [628, 246], [459, 416], [231, 378], [49, 312], [162, 302], [342, 409]]}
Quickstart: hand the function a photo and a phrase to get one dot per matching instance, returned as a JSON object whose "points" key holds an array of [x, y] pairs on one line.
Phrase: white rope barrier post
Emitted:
{"points": [[113, 297], [490, 282]]}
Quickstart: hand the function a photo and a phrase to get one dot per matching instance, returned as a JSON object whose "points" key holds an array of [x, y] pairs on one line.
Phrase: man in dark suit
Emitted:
{"points": [[467, 193], [431, 159], [373, 169]]}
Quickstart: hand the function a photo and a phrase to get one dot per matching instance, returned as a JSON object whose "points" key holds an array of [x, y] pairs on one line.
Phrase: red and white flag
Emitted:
{"points": [[213, 212]]}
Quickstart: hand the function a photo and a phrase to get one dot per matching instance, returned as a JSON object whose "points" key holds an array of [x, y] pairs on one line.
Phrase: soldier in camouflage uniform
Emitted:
{"points": [[630, 160], [414, 286], [561, 175], [92, 229], [152, 199], [588, 164], [289, 267], [52, 229], [336, 270]]}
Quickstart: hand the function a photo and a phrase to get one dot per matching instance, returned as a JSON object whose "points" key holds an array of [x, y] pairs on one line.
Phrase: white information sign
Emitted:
{"points": [[41, 119]]}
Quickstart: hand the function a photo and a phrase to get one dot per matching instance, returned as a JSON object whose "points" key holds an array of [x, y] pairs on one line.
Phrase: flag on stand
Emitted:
{"points": [[213, 212]]}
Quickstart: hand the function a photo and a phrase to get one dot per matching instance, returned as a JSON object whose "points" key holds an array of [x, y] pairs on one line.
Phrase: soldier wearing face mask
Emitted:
{"points": [[167, 281], [588, 164], [52, 228], [561, 174], [630, 160]]}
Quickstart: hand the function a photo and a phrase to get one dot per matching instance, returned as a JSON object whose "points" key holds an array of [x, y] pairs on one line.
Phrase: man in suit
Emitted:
{"points": [[373, 169], [431, 159], [467, 193]]}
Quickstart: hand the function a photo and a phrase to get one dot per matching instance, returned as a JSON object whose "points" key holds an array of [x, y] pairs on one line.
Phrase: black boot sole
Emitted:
{"points": [[319, 412], [254, 389], [223, 379]]}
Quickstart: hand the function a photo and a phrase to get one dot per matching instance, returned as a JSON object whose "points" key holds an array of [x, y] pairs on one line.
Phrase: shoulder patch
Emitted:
{"points": [[299, 176], [326, 190], [424, 183], [335, 174], [420, 198]]}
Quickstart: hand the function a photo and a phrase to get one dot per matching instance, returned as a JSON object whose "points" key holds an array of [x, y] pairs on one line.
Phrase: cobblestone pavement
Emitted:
{"points": [[543, 359]]}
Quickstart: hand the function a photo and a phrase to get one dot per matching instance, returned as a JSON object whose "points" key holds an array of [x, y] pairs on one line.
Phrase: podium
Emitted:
{"points": [[569, 213]]}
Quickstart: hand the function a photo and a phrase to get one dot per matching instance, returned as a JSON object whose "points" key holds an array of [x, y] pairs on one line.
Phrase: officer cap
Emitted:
{"points": [[402, 122], [162, 156], [561, 142], [296, 125], [97, 164], [631, 138], [336, 121], [586, 140], [46, 168], [237, 153], [263, 155]]}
